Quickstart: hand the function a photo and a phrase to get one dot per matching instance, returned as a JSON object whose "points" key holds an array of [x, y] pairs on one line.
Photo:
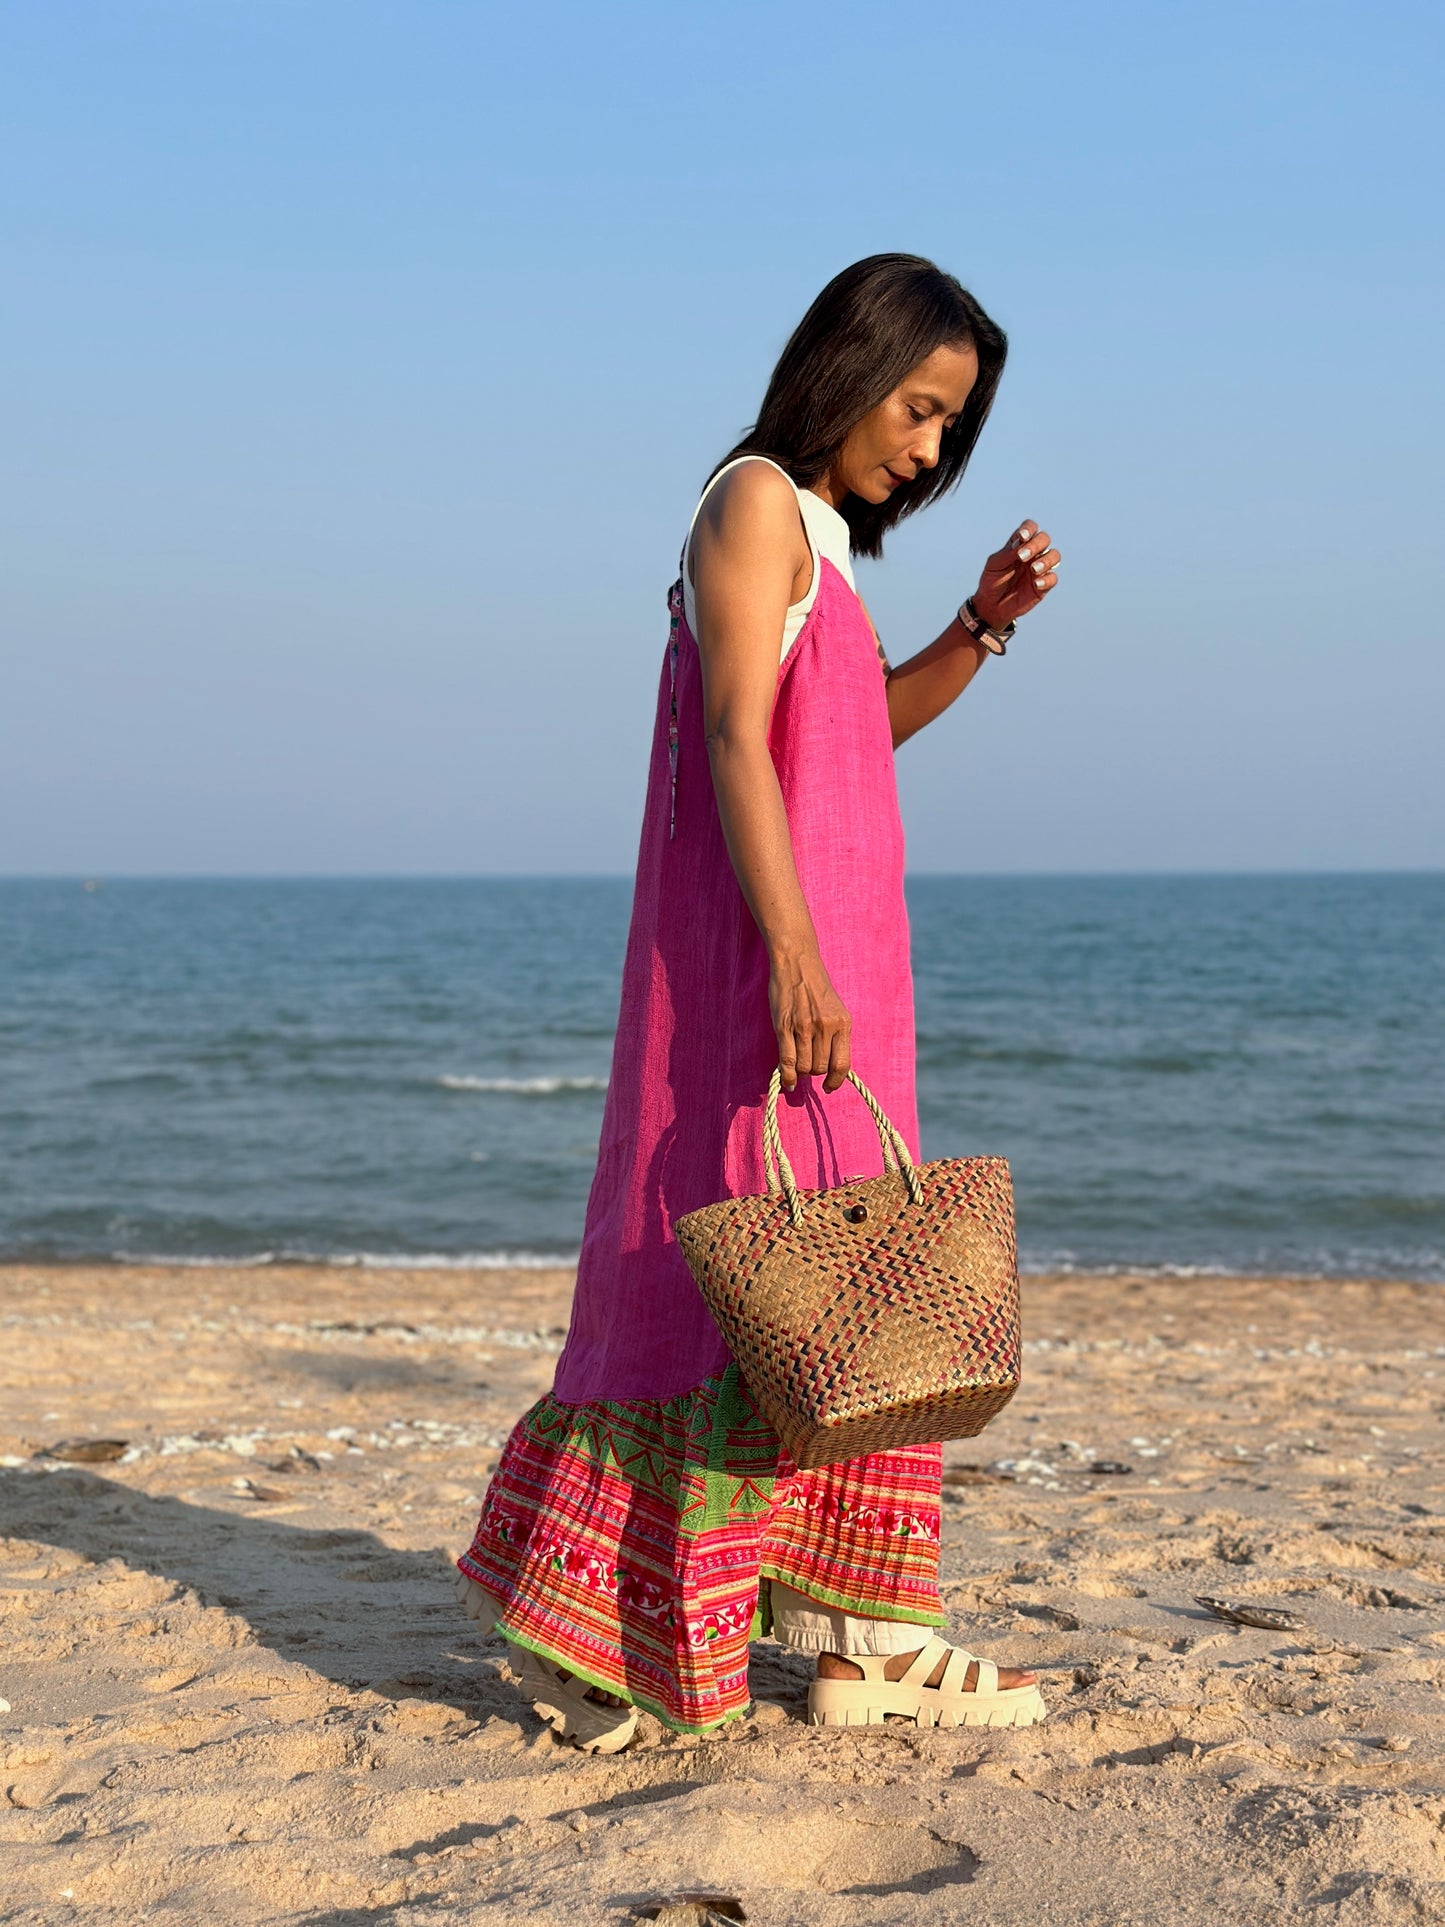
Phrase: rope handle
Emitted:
{"points": [[779, 1171]]}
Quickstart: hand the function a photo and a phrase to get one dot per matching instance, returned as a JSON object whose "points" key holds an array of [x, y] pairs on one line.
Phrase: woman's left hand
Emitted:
{"points": [[1017, 577]]}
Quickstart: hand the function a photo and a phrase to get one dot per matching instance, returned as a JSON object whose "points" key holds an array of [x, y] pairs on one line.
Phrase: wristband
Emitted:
{"points": [[995, 640]]}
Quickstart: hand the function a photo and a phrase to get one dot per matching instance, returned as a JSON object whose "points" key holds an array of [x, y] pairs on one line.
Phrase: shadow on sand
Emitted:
{"points": [[339, 1601]]}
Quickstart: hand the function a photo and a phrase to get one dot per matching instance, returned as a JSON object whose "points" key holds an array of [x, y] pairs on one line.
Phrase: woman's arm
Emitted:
{"points": [[750, 560], [923, 687], [1015, 579]]}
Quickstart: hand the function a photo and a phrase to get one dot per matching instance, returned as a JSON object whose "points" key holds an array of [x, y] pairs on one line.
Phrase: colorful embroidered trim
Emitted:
{"points": [[626, 1542]]}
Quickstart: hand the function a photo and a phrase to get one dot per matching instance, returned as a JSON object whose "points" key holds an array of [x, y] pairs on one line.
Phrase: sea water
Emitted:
{"points": [[1189, 1073]]}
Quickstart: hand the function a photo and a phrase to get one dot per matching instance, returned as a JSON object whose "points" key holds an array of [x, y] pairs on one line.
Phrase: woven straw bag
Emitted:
{"points": [[882, 1313]]}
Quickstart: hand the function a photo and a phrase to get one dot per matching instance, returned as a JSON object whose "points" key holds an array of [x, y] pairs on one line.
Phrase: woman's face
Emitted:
{"points": [[900, 437]]}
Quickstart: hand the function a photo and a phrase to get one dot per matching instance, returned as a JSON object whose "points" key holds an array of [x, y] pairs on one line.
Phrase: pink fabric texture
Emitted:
{"points": [[682, 1126]]}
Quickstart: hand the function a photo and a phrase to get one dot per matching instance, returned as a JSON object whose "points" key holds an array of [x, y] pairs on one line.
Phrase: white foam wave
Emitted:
{"points": [[1428, 1268], [1068, 1266], [523, 1086], [466, 1261], [362, 1260]]}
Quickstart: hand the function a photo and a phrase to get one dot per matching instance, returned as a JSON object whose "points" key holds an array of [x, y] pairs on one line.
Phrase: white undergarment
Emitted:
{"points": [[827, 534]]}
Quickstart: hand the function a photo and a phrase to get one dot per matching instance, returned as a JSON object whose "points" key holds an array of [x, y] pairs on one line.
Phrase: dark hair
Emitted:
{"points": [[873, 323]]}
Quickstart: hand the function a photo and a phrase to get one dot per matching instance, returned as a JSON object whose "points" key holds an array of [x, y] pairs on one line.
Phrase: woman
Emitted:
{"points": [[644, 1522]]}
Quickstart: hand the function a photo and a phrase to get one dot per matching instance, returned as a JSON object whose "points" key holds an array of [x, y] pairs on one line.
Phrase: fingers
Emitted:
{"points": [[787, 1059], [817, 1048], [811, 1023], [840, 1058], [1044, 568], [1031, 543], [822, 1042], [803, 1050], [1033, 547]]}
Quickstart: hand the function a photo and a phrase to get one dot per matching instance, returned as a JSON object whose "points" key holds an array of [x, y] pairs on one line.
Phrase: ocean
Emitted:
{"points": [[1189, 1074]]}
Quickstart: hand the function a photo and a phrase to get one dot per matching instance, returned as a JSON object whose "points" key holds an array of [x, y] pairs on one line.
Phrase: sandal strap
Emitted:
{"points": [[576, 1690], [918, 1672], [554, 1678], [956, 1671], [955, 1674], [871, 1666]]}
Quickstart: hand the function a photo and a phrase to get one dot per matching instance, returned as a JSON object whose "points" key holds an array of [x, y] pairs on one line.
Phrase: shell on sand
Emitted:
{"points": [[86, 1451], [1243, 1612]]}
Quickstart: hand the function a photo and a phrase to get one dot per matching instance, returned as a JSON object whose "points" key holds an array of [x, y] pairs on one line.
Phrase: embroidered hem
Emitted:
{"points": [[626, 1541]]}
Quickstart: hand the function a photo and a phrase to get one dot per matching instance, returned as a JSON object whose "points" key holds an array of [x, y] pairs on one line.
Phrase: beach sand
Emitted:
{"points": [[241, 1689]]}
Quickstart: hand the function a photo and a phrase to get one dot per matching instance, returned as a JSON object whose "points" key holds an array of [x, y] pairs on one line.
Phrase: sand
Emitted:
{"points": [[241, 1690]]}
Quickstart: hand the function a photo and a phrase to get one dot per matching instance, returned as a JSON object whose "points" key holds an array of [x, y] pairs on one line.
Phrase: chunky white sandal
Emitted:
{"points": [[559, 1696], [476, 1602], [556, 1695], [872, 1699]]}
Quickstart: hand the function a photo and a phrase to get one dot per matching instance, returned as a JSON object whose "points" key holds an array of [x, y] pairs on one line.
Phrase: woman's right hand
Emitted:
{"points": [[813, 1027]]}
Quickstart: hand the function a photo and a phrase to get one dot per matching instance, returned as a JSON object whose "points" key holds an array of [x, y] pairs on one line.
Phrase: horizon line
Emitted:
{"points": [[624, 876]]}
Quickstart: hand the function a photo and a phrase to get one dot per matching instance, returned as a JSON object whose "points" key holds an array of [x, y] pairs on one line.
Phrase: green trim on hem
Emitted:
{"points": [[607, 1686], [908, 1614]]}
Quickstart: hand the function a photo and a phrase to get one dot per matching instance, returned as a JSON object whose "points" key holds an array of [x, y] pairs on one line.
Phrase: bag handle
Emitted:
{"points": [[779, 1171]]}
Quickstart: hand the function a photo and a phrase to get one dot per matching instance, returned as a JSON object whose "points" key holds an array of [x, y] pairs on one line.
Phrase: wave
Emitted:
{"points": [[523, 1086], [357, 1260], [1321, 1266], [1318, 1267]]}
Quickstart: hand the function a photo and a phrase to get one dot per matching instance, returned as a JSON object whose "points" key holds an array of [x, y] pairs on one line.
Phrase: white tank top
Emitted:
{"points": [[827, 534]]}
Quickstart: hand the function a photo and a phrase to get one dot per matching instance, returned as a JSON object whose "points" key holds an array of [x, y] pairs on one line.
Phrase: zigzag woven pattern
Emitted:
{"points": [[873, 1321]]}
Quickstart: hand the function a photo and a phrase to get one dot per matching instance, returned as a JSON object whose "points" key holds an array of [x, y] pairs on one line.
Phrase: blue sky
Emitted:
{"points": [[362, 363]]}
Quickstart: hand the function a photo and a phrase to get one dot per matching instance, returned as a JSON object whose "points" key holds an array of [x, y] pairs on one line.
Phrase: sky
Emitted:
{"points": [[360, 365]]}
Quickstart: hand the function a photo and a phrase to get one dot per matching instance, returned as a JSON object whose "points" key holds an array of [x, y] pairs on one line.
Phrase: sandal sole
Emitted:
{"points": [[848, 1709], [592, 1728]]}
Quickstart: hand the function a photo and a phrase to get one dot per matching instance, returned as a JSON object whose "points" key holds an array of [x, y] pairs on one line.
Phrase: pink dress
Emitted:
{"points": [[636, 1509], [695, 1042]]}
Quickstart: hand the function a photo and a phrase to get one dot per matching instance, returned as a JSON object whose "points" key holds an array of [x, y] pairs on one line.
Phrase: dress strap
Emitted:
{"points": [[674, 608]]}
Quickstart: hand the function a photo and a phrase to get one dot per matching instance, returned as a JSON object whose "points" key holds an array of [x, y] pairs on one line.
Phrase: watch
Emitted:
{"points": [[996, 640]]}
